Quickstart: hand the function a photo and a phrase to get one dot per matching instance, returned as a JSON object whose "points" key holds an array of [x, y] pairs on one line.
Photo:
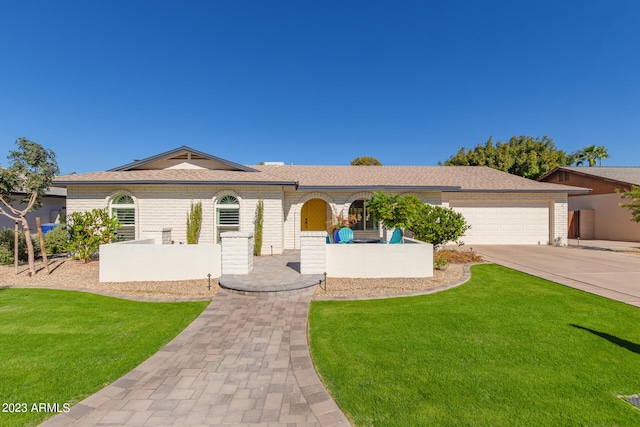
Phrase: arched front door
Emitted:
{"points": [[313, 216]]}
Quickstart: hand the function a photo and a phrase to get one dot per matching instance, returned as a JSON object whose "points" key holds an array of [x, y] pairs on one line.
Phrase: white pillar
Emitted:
{"points": [[313, 252], [559, 218], [237, 252]]}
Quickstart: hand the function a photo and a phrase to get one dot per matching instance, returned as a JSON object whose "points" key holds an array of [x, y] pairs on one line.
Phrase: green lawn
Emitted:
{"points": [[504, 349], [61, 346]]}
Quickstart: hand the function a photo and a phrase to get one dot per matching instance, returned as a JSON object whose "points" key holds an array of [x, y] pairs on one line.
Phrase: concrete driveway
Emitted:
{"points": [[613, 275]]}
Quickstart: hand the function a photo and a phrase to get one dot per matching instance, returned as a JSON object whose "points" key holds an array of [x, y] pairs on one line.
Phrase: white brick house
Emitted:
{"points": [[155, 193]]}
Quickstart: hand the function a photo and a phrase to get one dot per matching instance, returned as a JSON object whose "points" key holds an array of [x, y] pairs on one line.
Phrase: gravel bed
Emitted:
{"points": [[342, 287], [70, 274], [73, 275]]}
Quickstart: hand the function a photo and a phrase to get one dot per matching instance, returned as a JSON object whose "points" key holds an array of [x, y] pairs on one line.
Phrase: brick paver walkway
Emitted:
{"points": [[244, 362]]}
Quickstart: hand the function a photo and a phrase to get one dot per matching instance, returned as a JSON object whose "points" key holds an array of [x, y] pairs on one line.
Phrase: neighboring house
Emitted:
{"points": [[155, 193], [599, 215], [52, 209]]}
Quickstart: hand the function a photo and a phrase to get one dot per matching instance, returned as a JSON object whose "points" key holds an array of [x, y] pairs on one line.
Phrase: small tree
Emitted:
{"points": [[89, 230], [432, 224], [257, 235], [439, 225], [30, 172], [395, 211], [194, 222], [633, 195], [365, 161]]}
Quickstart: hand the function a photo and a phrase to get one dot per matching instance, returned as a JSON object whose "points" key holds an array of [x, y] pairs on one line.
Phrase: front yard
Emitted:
{"points": [[504, 349], [58, 347]]}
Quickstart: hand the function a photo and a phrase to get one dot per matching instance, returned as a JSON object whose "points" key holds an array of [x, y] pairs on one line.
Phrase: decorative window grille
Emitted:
{"points": [[227, 215], [123, 208]]}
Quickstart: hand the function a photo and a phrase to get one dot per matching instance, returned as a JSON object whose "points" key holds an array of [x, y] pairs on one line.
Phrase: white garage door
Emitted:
{"points": [[511, 225]]}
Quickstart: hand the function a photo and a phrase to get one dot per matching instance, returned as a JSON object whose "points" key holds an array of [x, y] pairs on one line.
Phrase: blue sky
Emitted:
{"points": [[103, 83]]}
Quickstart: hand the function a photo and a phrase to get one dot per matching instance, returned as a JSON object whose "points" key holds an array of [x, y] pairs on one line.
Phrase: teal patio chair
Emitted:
{"points": [[346, 235], [396, 237]]}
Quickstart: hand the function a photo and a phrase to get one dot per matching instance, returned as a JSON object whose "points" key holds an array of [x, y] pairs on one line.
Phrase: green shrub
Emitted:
{"points": [[6, 256], [194, 222], [257, 235], [7, 245], [56, 240], [439, 225], [440, 263], [88, 230]]}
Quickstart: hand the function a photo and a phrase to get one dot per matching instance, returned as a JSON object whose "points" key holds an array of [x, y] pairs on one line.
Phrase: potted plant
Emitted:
{"points": [[339, 222]]}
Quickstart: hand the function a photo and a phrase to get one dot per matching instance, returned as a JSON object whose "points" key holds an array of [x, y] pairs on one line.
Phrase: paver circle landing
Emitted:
{"points": [[272, 274], [244, 361]]}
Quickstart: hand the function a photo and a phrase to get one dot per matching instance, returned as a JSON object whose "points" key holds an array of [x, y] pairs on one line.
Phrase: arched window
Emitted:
{"points": [[227, 215], [366, 221], [123, 208]]}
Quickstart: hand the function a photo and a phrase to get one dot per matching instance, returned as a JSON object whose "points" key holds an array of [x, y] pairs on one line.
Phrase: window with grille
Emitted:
{"points": [[227, 215], [123, 208]]}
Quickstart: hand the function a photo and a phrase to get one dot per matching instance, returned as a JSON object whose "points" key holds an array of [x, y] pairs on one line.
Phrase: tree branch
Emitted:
{"points": [[13, 210], [32, 201]]}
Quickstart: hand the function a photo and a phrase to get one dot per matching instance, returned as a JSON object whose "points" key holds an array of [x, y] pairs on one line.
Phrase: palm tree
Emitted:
{"points": [[591, 154]]}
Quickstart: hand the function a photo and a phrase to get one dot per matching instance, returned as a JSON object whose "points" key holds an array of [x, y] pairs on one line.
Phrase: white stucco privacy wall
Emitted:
{"points": [[411, 259], [142, 260]]}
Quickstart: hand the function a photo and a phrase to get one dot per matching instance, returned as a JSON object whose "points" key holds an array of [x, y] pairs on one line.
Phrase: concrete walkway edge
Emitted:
{"points": [[322, 404]]}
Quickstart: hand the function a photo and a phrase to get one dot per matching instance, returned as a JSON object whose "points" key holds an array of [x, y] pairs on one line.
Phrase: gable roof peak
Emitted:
{"points": [[181, 150]]}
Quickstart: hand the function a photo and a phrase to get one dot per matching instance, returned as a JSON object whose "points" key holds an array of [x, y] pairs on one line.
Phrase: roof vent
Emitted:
{"points": [[272, 163]]}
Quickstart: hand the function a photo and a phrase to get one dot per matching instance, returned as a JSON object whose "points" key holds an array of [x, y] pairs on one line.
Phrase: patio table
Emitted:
{"points": [[365, 240]]}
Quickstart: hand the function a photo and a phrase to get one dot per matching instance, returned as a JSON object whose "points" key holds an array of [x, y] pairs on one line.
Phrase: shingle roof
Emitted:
{"points": [[336, 178], [629, 175], [171, 176], [445, 178]]}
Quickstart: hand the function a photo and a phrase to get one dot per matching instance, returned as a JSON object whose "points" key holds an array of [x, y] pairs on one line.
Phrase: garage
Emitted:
{"points": [[500, 224]]}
